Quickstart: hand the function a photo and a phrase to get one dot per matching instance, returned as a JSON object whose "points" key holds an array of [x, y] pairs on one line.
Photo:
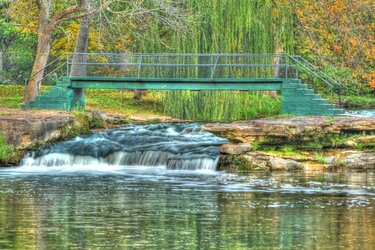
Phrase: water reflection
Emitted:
{"points": [[161, 209]]}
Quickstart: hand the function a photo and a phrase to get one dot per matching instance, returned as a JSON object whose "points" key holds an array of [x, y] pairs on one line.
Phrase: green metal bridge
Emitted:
{"points": [[197, 72]]}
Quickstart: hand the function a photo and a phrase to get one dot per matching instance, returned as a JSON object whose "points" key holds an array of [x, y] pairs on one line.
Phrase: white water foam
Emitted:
{"points": [[171, 146]]}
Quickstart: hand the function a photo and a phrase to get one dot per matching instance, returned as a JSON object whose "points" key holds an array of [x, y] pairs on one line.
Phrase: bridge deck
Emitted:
{"points": [[176, 83]]}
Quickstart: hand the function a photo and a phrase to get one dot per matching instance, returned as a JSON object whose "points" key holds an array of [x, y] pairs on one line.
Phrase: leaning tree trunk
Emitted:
{"points": [[79, 60], [42, 53]]}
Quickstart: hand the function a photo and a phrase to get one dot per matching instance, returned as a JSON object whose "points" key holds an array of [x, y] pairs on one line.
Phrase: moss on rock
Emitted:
{"points": [[236, 163], [6, 150]]}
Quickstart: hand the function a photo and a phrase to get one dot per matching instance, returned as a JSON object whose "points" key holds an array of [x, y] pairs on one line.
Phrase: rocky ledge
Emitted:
{"points": [[23, 130], [297, 143]]}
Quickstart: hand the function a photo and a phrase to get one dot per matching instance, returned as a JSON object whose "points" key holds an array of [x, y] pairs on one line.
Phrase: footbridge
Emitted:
{"points": [[296, 79]]}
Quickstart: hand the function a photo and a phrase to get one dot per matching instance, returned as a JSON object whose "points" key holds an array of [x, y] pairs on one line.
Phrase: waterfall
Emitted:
{"points": [[173, 146]]}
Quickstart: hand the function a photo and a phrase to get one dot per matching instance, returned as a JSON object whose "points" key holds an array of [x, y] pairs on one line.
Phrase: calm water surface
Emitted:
{"points": [[109, 205]]}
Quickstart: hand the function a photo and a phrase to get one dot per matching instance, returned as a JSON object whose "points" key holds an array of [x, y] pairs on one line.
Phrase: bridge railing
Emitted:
{"points": [[183, 65], [316, 77], [194, 66]]}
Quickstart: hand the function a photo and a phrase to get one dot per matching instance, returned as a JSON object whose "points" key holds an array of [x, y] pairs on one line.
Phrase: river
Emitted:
{"points": [[155, 187]]}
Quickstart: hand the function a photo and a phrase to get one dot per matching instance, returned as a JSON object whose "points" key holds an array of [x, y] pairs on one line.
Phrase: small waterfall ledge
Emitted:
{"points": [[178, 146]]}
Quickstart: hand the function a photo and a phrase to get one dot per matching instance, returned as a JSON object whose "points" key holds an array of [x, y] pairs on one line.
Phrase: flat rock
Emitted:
{"points": [[23, 128], [235, 149], [356, 160], [291, 128]]}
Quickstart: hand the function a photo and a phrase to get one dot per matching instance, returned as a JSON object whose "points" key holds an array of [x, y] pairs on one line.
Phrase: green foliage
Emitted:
{"points": [[321, 159], [358, 101], [265, 27], [338, 36], [256, 145], [314, 142], [17, 52], [6, 150], [219, 105], [83, 123], [11, 96]]}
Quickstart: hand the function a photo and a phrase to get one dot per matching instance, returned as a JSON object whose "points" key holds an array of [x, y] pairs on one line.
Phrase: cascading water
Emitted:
{"points": [[174, 146]]}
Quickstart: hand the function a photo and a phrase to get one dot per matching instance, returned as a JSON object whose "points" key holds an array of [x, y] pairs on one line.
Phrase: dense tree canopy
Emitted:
{"points": [[337, 35]]}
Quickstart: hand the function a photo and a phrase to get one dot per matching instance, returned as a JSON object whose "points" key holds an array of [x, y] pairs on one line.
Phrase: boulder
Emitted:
{"points": [[235, 149]]}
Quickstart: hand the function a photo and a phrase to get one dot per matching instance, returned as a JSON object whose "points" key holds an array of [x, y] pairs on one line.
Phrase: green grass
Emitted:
{"points": [[358, 102], [194, 105], [112, 101], [116, 101], [220, 105], [321, 158], [11, 96]]}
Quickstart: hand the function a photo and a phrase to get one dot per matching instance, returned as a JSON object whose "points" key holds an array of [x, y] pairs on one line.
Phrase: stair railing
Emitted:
{"points": [[333, 85], [45, 76]]}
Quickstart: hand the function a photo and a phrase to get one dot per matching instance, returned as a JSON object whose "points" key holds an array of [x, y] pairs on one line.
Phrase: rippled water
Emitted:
{"points": [[60, 205]]}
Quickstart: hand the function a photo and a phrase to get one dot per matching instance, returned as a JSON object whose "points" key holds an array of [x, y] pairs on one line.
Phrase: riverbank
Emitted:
{"points": [[297, 143], [280, 143], [25, 130]]}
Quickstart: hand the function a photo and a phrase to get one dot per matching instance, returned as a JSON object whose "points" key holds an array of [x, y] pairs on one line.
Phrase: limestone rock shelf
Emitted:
{"points": [[295, 143]]}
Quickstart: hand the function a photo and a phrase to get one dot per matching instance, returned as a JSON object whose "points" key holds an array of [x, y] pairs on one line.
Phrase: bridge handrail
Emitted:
{"points": [[179, 54], [320, 74], [183, 64], [47, 65], [40, 70], [317, 69]]}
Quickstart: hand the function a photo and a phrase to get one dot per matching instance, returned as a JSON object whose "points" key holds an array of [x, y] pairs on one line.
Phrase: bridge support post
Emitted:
{"points": [[78, 99]]}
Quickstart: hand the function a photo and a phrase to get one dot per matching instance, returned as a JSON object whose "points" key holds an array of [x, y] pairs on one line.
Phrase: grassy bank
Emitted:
{"points": [[111, 101], [195, 105], [358, 102]]}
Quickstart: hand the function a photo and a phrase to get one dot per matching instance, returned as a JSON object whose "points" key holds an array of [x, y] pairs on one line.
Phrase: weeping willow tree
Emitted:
{"points": [[225, 26]]}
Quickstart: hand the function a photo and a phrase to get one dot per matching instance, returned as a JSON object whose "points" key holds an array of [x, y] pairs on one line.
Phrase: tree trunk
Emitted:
{"points": [[81, 47], [42, 53], [276, 73], [78, 66], [138, 94]]}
